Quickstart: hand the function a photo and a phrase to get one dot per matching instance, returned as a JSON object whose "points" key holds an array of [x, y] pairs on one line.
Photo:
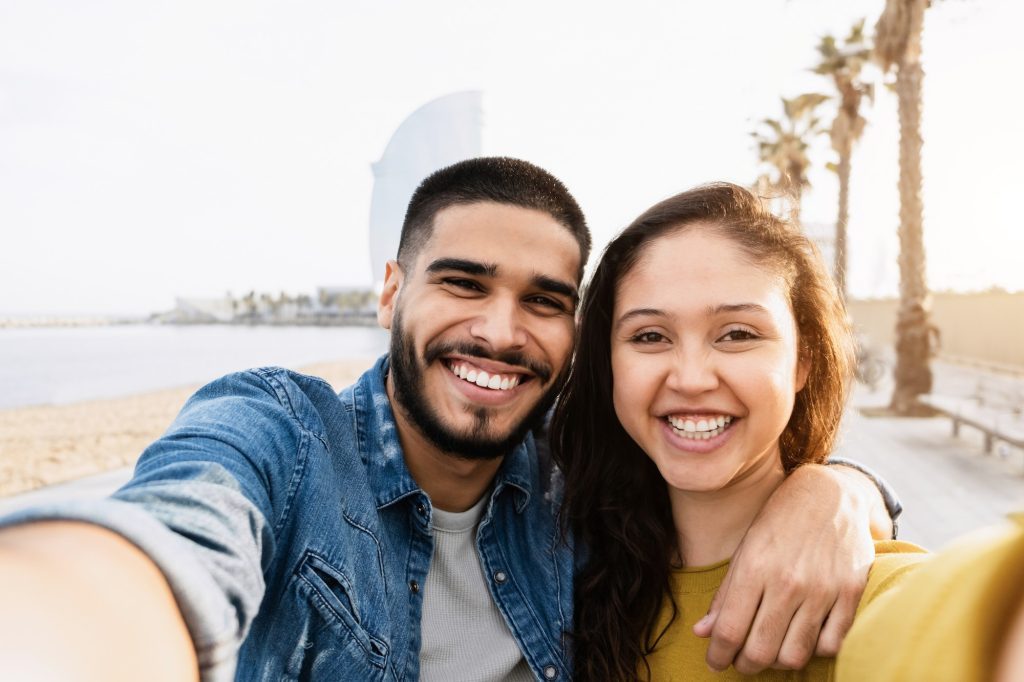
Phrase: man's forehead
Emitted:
{"points": [[506, 235]]}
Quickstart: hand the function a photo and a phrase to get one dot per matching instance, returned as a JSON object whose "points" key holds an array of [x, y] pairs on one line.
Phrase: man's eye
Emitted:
{"points": [[547, 302], [460, 283]]}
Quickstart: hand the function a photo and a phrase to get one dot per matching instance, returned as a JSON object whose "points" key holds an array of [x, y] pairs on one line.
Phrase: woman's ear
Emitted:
{"points": [[803, 368], [393, 278]]}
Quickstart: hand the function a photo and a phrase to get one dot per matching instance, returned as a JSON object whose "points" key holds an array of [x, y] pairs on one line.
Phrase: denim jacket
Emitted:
{"points": [[296, 541]]}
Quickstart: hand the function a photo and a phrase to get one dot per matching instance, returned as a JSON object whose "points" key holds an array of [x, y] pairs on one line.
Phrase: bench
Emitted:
{"points": [[996, 422]]}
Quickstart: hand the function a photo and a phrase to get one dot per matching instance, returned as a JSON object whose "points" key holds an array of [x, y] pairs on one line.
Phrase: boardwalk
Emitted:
{"points": [[947, 485]]}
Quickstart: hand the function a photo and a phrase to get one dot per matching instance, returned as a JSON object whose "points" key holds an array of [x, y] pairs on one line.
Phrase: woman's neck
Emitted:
{"points": [[710, 524]]}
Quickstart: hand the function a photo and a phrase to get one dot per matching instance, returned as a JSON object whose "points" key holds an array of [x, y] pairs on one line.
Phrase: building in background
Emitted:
{"points": [[439, 133]]}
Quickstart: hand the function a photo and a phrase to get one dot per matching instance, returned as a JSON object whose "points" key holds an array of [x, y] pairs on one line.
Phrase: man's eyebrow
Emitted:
{"points": [[556, 286], [469, 267]]}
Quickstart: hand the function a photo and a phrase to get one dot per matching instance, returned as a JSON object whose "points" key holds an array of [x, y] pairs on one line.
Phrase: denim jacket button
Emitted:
{"points": [[420, 509], [414, 586], [550, 672], [500, 576]]}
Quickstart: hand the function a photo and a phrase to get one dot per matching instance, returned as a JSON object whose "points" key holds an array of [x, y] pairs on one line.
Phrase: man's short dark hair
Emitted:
{"points": [[499, 179]]}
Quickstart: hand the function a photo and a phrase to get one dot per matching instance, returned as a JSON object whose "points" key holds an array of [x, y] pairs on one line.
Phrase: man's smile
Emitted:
{"points": [[485, 374], [475, 375], [487, 383]]}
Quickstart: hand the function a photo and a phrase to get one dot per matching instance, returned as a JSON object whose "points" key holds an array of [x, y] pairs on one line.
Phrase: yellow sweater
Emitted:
{"points": [[948, 622], [680, 654]]}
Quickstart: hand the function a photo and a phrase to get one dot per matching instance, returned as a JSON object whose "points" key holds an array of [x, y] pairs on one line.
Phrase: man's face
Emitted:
{"points": [[481, 326]]}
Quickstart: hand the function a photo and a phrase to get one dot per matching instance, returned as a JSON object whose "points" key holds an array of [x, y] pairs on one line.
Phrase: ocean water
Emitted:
{"points": [[53, 366]]}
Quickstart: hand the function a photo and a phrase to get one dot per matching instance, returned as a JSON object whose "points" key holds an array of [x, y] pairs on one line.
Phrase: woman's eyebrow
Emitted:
{"points": [[711, 310], [737, 308], [638, 312]]}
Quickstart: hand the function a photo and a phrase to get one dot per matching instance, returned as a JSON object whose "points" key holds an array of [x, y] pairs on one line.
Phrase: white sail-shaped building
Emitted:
{"points": [[438, 134]]}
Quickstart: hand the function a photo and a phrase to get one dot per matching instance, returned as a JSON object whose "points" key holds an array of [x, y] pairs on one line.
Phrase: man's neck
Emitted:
{"points": [[453, 483]]}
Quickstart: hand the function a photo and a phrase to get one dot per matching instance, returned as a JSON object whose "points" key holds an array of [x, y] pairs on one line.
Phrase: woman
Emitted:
{"points": [[714, 358]]}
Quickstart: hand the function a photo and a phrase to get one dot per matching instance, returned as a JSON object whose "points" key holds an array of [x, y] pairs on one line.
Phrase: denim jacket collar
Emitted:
{"points": [[381, 448]]}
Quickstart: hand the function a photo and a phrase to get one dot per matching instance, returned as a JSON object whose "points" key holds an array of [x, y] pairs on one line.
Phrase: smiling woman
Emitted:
{"points": [[714, 372], [714, 359]]}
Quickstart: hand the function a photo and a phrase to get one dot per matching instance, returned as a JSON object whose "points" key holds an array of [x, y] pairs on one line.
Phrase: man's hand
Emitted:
{"points": [[795, 581]]}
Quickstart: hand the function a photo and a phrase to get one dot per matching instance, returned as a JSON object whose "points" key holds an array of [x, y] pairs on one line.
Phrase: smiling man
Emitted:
{"points": [[480, 338], [406, 528]]}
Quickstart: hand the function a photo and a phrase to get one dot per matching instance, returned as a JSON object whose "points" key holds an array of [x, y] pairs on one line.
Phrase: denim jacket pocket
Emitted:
{"points": [[331, 594]]}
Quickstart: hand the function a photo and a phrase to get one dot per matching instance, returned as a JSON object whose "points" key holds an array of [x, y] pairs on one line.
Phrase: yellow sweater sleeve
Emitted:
{"points": [[894, 561], [947, 622]]}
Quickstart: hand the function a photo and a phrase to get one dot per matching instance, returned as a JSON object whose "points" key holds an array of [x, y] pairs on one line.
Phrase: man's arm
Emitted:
{"points": [[795, 581], [81, 603], [198, 510]]}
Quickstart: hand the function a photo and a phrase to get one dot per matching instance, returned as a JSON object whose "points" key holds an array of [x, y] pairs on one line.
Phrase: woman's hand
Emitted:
{"points": [[795, 581]]}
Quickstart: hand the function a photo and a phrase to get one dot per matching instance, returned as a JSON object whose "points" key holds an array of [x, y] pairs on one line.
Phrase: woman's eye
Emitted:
{"points": [[647, 337], [739, 335]]}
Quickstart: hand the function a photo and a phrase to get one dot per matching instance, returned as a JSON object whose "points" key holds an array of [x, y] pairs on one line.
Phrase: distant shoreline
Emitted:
{"points": [[45, 321], [44, 445], [49, 322]]}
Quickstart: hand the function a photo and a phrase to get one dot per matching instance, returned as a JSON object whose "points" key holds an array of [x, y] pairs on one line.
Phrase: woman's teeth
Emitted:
{"points": [[482, 379], [699, 429]]}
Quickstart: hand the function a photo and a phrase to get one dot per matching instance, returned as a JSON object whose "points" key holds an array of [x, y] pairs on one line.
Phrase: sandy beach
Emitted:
{"points": [[40, 446]]}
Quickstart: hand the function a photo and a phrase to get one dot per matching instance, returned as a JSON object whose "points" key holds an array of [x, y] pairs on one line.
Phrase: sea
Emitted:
{"points": [[60, 365]]}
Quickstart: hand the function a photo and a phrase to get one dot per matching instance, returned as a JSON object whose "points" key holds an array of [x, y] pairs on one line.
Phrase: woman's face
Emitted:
{"points": [[705, 360]]}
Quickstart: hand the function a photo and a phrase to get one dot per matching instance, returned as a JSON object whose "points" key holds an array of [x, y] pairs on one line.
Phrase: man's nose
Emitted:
{"points": [[500, 325]]}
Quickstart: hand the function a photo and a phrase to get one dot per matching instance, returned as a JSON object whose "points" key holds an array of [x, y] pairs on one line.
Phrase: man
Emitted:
{"points": [[406, 528]]}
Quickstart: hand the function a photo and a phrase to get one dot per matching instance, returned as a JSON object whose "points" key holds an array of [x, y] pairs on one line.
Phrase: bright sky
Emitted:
{"points": [[155, 149]]}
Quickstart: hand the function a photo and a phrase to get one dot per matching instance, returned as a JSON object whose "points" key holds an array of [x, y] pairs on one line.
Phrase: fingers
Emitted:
{"points": [[705, 626], [801, 639], [738, 601], [753, 628], [775, 616], [840, 618]]}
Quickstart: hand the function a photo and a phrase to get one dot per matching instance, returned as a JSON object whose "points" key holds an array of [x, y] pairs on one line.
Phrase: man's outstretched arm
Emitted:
{"points": [[82, 603], [198, 512], [796, 579]]}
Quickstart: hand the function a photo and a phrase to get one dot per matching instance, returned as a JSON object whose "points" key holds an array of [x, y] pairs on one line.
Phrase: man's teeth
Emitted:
{"points": [[482, 379], [700, 429]]}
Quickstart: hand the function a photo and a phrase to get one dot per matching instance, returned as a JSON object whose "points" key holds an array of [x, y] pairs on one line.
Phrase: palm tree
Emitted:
{"points": [[782, 145], [843, 64], [898, 45]]}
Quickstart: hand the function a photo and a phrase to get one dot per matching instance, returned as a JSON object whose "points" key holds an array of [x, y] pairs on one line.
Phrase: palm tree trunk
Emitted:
{"points": [[913, 373], [841, 221]]}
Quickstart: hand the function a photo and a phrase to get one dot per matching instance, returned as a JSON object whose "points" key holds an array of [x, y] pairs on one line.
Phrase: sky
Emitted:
{"points": [[162, 149]]}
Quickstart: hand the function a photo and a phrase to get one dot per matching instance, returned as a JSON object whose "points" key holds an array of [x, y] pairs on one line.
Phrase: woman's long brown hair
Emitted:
{"points": [[616, 502]]}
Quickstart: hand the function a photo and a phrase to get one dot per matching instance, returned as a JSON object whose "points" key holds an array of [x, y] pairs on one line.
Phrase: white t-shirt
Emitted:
{"points": [[463, 634]]}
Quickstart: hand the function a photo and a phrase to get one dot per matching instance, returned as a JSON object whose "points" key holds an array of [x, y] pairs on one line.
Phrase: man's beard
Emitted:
{"points": [[407, 374]]}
